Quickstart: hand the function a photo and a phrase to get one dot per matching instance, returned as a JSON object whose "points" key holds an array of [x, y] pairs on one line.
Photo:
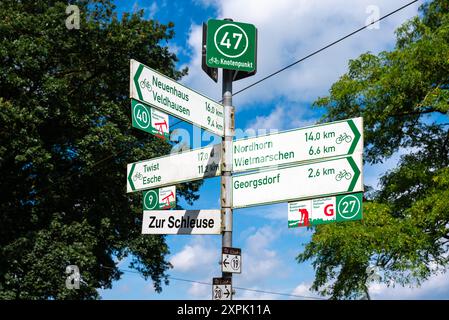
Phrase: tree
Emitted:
{"points": [[403, 96], [65, 140]]}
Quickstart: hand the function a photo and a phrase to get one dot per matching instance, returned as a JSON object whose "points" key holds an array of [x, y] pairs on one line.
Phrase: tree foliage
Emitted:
{"points": [[403, 97], [65, 140]]}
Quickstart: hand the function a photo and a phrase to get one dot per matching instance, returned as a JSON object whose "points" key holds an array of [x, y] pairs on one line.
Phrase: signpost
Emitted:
{"points": [[313, 212], [231, 45], [159, 199], [176, 168], [149, 120], [222, 289], [299, 145], [322, 161], [231, 260], [334, 176], [167, 95], [181, 222]]}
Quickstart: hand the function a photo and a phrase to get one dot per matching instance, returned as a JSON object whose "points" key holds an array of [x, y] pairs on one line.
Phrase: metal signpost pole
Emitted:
{"points": [[226, 178]]}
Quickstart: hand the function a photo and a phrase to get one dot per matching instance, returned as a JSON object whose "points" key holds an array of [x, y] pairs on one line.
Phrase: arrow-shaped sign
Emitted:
{"points": [[299, 145], [329, 177], [176, 168], [161, 92]]}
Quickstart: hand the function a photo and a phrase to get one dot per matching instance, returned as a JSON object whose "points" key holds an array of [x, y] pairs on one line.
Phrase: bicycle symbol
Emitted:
{"points": [[343, 137], [146, 84], [214, 60], [138, 175], [343, 174]]}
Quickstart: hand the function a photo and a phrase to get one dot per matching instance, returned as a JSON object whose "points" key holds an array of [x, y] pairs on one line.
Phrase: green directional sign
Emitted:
{"points": [[149, 120], [175, 168], [300, 181], [171, 97], [298, 145], [347, 207], [231, 45], [159, 199]]}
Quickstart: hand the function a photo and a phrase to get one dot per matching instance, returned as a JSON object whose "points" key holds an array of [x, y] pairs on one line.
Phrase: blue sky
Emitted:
{"points": [[288, 30]]}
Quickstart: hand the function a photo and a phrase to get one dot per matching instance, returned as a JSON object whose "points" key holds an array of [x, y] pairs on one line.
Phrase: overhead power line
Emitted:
{"points": [[239, 288], [324, 48]]}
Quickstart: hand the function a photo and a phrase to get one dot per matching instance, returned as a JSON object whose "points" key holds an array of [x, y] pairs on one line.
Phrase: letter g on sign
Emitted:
{"points": [[329, 210]]}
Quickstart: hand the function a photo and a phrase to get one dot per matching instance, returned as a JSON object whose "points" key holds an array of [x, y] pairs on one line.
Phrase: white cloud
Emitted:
{"points": [[197, 253], [273, 121], [259, 259], [254, 295], [200, 290], [290, 29], [303, 292], [437, 287], [151, 10], [284, 116]]}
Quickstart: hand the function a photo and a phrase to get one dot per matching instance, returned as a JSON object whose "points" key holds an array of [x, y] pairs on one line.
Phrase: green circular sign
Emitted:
{"points": [[349, 206], [150, 199], [231, 40], [142, 116]]}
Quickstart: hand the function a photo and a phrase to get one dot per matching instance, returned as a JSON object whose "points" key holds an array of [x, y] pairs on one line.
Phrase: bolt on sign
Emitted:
{"points": [[231, 260], [151, 87], [149, 120], [176, 168], [221, 289], [326, 210], [159, 199], [298, 145], [181, 222], [300, 181], [231, 45]]}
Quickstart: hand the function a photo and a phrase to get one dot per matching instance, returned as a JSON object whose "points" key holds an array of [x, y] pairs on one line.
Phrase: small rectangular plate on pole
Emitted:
{"points": [[149, 120], [346, 207], [159, 199], [181, 222], [221, 289], [231, 260]]}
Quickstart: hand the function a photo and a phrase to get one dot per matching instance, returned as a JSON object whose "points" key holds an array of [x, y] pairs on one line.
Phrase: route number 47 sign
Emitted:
{"points": [[231, 45]]}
